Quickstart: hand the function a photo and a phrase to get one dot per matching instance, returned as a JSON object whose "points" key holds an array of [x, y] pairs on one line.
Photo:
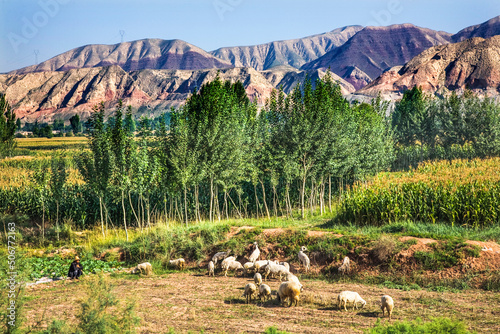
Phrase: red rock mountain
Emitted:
{"points": [[473, 63], [375, 49], [487, 29], [131, 56], [293, 52]]}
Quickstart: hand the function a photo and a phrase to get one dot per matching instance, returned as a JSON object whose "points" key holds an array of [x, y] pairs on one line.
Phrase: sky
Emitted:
{"points": [[36, 30]]}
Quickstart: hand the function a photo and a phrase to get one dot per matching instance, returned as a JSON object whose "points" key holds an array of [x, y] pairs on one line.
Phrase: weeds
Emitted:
{"points": [[436, 326]]}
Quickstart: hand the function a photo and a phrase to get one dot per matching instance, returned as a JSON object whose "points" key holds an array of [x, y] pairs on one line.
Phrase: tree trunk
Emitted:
{"points": [[237, 210], [211, 198], [124, 215], [264, 199], [102, 220], [275, 209], [57, 219], [165, 206], [302, 197], [43, 219], [185, 205], [256, 201], [226, 204], [330, 192], [133, 210]]}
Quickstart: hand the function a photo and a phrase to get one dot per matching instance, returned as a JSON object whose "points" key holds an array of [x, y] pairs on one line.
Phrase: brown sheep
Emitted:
{"points": [[289, 290]]}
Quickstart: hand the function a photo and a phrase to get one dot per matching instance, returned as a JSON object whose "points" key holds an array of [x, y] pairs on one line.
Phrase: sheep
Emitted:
{"points": [[304, 259], [143, 267], [257, 278], [292, 278], [258, 265], [288, 290], [233, 265], [285, 264], [275, 269], [264, 292], [220, 256], [350, 297], [211, 268], [177, 263], [345, 267], [250, 290], [387, 303], [255, 254], [227, 259], [249, 267]]}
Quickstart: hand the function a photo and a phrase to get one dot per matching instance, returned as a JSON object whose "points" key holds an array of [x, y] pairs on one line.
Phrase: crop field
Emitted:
{"points": [[193, 302], [54, 143]]}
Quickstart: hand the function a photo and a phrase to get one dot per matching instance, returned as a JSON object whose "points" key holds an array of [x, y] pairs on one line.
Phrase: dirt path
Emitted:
{"points": [[192, 302]]}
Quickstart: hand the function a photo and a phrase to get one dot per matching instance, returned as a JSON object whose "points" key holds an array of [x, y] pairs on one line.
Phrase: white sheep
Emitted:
{"points": [[350, 297], [288, 290], [250, 290], [257, 278], [249, 267], [345, 267], [275, 270], [145, 268], [259, 265], [232, 265], [228, 259], [220, 256], [255, 254], [211, 268], [304, 259], [285, 264], [387, 304], [264, 292], [177, 263]]}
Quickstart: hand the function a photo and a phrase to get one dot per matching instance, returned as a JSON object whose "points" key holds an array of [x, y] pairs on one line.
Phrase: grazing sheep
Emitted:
{"points": [[177, 263], [249, 267], [304, 259], [387, 303], [143, 268], [257, 278], [264, 292], [345, 267], [211, 268], [285, 264], [250, 290], [259, 265], [292, 278], [275, 270], [232, 265], [255, 254], [350, 297], [227, 259], [220, 256], [289, 290]]}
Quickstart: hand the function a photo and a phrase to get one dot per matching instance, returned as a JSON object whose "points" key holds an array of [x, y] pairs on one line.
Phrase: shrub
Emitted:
{"points": [[436, 326], [383, 249]]}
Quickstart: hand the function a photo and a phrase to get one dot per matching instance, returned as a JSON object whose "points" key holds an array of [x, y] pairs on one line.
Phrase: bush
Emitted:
{"points": [[384, 249], [436, 326]]}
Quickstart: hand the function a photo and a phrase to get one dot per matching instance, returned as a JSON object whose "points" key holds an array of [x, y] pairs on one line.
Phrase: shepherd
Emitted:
{"points": [[75, 269]]}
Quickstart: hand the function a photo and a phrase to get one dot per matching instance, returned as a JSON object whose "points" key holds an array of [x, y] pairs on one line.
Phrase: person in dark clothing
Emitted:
{"points": [[75, 269]]}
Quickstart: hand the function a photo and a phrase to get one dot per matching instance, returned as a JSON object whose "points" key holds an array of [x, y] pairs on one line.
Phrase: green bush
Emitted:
{"points": [[436, 326]]}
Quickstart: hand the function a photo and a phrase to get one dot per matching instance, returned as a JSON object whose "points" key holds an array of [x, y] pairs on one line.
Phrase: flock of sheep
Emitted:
{"points": [[289, 289]]}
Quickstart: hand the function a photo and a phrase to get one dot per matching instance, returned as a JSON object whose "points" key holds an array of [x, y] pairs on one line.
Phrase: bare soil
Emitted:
{"points": [[195, 302]]}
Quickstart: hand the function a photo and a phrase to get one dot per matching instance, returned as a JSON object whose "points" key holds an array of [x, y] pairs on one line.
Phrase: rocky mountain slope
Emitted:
{"points": [[132, 56], [473, 63], [48, 95], [374, 49], [293, 52], [487, 29]]}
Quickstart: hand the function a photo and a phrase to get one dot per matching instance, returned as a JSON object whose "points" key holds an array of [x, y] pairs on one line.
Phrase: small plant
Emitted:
{"points": [[436, 326], [383, 249], [274, 330]]}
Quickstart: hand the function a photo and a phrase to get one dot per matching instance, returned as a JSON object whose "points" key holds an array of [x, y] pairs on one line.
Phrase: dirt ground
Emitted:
{"points": [[195, 302]]}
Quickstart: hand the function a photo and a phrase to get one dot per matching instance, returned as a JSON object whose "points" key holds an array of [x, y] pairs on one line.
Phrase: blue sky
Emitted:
{"points": [[55, 26]]}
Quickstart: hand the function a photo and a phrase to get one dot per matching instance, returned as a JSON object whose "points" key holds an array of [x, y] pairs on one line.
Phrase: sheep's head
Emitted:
{"points": [[135, 270], [303, 248], [363, 303]]}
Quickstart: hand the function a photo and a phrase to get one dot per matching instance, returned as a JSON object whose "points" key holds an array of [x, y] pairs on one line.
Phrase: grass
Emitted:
{"points": [[436, 326]]}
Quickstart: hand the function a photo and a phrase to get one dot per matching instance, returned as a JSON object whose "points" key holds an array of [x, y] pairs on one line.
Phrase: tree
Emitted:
{"points": [[7, 128], [408, 118], [18, 124], [57, 183], [40, 180], [129, 122], [75, 123]]}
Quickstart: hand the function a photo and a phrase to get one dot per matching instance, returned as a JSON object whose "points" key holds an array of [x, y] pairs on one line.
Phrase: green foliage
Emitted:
{"points": [[274, 330], [417, 326], [7, 128], [445, 254], [102, 313]]}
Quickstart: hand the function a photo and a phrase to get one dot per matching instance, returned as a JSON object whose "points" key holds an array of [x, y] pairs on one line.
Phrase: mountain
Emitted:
{"points": [[487, 29], [293, 52], [48, 95], [374, 49], [131, 56], [473, 63]]}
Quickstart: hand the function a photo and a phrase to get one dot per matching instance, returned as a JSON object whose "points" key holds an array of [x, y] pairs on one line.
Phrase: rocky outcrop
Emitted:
{"points": [[45, 96], [293, 52], [131, 56], [473, 64], [487, 29], [375, 49]]}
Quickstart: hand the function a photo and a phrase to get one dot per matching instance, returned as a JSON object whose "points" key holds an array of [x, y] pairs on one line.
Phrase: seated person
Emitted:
{"points": [[75, 269]]}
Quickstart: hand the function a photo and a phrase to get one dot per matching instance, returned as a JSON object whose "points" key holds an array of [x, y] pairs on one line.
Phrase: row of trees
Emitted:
{"points": [[7, 128]]}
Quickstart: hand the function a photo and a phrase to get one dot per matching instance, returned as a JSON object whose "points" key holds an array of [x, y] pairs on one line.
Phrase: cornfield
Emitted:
{"points": [[465, 192]]}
